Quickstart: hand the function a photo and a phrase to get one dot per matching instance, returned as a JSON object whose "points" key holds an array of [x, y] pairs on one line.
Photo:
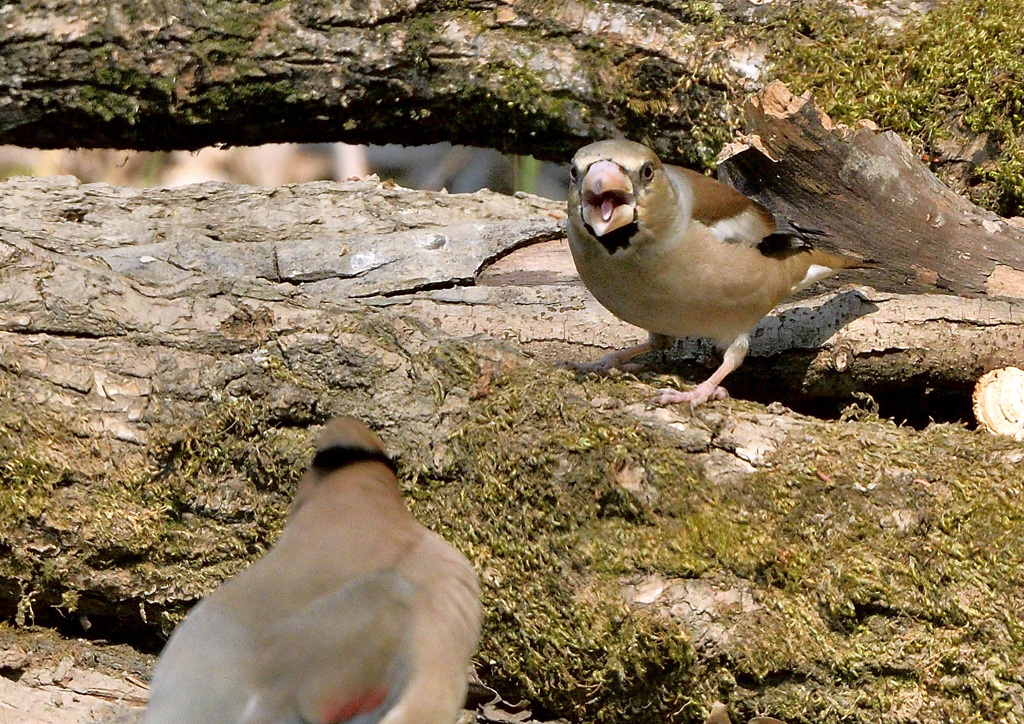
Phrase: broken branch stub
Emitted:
{"points": [[870, 192]]}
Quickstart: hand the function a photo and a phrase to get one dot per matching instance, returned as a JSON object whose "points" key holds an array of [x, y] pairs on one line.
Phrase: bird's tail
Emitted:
{"points": [[840, 261]]}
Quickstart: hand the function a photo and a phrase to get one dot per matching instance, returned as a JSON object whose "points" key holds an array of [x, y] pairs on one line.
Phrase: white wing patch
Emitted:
{"points": [[746, 227]]}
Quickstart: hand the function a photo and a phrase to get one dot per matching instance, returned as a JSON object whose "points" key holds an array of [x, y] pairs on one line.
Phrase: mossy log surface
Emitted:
{"points": [[533, 77], [166, 357], [529, 76]]}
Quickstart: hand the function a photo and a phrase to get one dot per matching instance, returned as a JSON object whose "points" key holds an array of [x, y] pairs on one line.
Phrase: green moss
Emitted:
{"points": [[515, 106], [955, 71], [871, 587], [881, 566], [239, 97], [222, 42], [648, 90], [207, 498], [905, 559], [530, 510], [118, 92]]}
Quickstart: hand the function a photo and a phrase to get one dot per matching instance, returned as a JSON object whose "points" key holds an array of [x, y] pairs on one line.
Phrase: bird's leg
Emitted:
{"points": [[710, 388], [612, 359]]}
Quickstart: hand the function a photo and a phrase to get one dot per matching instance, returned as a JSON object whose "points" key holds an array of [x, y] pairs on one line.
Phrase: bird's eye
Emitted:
{"points": [[647, 172], [573, 173]]}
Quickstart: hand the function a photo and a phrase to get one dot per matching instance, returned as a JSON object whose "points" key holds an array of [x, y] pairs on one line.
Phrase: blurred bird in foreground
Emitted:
{"points": [[358, 614], [720, 715], [682, 255]]}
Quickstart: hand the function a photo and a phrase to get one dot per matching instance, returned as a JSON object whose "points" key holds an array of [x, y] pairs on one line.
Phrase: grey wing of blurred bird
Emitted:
{"points": [[343, 657], [207, 690]]}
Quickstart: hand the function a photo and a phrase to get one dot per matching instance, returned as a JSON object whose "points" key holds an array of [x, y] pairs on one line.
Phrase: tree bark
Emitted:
{"points": [[870, 194], [478, 264], [166, 355], [528, 77]]}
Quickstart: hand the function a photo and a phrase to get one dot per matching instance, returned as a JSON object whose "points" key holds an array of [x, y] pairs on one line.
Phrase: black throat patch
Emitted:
{"points": [[621, 238], [340, 456]]}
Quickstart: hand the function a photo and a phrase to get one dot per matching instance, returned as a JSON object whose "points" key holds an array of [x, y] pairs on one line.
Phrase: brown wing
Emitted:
{"points": [[731, 216], [735, 218]]}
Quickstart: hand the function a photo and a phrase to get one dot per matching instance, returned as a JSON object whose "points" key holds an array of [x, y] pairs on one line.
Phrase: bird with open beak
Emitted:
{"points": [[358, 614], [682, 255]]}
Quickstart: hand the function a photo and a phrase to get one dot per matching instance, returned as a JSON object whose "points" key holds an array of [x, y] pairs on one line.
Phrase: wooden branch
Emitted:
{"points": [[870, 193], [529, 76], [918, 355]]}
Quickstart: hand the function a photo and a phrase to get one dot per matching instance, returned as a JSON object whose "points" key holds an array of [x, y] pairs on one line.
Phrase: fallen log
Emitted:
{"points": [[166, 355], [473, 264]]}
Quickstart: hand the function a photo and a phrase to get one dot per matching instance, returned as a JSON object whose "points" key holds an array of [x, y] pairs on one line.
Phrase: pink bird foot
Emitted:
{"points": [[697, 396]]}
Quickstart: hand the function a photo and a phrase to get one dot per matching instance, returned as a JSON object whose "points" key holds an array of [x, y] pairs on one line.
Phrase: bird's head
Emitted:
{"points": [[349, 433], [344, 442], [611, 184]]}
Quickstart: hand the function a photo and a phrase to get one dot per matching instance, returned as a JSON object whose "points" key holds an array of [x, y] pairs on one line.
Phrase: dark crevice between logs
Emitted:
{"points": [[916, 401], [96, 618]]}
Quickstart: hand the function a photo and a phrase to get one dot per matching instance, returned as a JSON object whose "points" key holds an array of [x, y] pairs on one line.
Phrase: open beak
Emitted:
{"points": [[607, 198]]}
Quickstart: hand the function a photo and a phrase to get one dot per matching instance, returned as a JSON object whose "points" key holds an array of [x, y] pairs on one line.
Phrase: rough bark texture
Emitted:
{"points": [[166, 355], [869, 192], [497, 266], [529, 76]]}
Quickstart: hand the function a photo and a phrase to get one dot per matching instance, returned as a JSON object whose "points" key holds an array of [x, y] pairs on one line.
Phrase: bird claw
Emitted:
{"points": [[608, 362], [696, 397]]}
